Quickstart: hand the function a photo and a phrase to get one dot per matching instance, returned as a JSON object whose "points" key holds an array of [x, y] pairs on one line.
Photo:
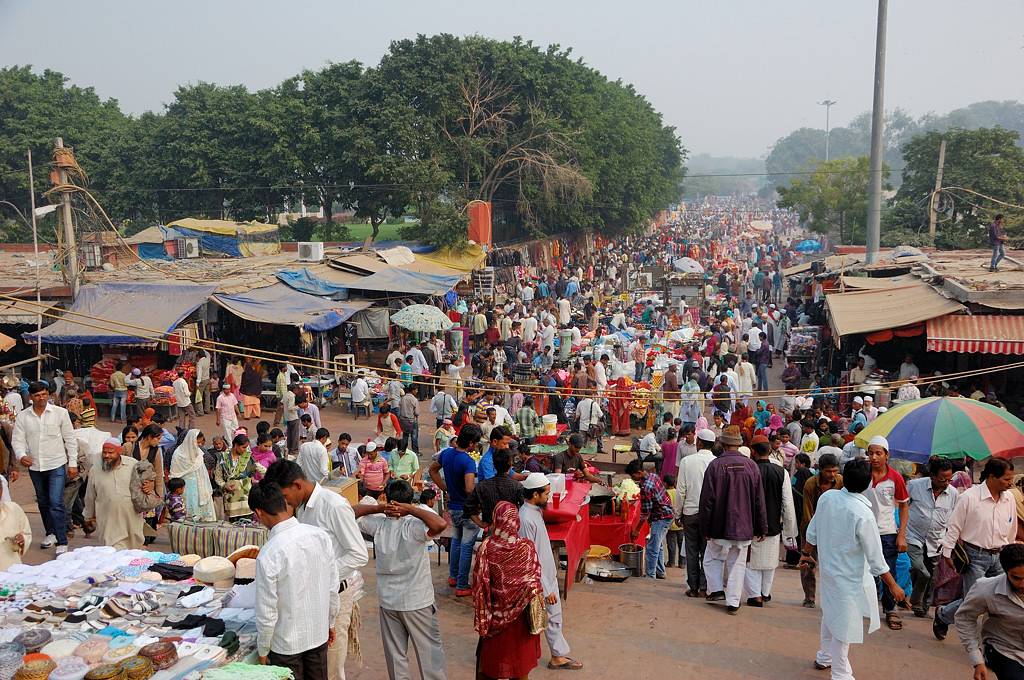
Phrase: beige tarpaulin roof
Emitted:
{"points": [[868, 311], [882, 283]]}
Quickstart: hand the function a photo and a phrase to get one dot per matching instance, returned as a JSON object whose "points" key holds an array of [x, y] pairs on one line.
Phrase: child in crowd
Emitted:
{"points": [[262, 455], [428, 499], [175, 501], [278, 443], [674, 537]]}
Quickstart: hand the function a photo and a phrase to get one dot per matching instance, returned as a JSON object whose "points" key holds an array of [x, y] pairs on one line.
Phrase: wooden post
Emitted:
{"points": [[69, 229]]}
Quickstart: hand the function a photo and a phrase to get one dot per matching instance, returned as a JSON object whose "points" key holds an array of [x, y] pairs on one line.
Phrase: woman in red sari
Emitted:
{"points": [[506, 577]]}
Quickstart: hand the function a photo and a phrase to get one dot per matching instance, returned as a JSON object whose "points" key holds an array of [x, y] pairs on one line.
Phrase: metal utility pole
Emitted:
{"points": [[933, 205], [35, 251], [877, 128], [828, 104], [69, 228]]}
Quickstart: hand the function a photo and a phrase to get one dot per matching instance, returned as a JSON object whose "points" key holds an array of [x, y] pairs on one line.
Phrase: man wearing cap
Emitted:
{"points": [[870, 412], [888, 492], [732, 514], [373, 471], [536, 489], [686, 507], [108, 500], [782, 526], [857, 414], [226, 408], [690, 397]]}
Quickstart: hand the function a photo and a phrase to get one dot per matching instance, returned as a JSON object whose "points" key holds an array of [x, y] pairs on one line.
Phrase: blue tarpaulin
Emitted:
{"points": [[396, 280], [304, 281], [156, 307], [153, 251], [279, 304]]}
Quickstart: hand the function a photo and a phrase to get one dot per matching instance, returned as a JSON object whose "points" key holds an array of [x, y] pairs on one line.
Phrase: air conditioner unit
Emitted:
{"points": [[187, 247], [312, 251]]}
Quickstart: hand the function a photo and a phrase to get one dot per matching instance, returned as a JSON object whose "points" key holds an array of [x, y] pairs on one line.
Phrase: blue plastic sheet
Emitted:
{"points": [[396, 280], [304, 281], [156, 307], [153, 251]]}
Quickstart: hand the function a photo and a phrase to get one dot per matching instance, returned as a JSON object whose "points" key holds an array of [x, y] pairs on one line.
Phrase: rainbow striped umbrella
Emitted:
{"points": [[951, 427]]}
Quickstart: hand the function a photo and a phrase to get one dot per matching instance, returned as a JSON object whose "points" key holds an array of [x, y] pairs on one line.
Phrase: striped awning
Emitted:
{"points": [[984, 334]]}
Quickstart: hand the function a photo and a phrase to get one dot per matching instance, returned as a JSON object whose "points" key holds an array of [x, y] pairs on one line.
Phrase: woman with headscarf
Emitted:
{"points": [[147, 417], [188, 464], [506, 578], [762, 415]]}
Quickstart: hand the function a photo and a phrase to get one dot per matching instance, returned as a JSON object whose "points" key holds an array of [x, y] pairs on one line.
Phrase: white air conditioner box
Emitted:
{"points": [[311, 251], [187, 247]]}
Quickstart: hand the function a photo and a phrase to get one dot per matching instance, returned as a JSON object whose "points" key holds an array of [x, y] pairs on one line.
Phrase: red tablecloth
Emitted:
{"points": [[611, 531], [550, 439], [569, 526]]}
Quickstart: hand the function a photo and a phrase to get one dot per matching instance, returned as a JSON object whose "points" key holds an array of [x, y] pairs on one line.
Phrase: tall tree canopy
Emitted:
{"points": [[440, 121]]}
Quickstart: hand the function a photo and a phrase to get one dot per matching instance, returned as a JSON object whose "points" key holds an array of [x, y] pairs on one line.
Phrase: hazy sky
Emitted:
{"points": [[731, 75]]}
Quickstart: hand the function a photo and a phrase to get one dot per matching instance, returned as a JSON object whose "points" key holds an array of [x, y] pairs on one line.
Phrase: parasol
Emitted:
{"points": [[687, 265], [421, 319], [808, 245], [951, 427]]}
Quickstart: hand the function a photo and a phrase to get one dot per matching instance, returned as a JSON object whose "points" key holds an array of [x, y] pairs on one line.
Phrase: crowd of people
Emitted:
{"points": [[733, 479]]}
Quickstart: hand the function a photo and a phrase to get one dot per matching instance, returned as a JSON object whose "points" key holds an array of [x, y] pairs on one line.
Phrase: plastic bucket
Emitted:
{"points": [[550, 424], [632, 555]]}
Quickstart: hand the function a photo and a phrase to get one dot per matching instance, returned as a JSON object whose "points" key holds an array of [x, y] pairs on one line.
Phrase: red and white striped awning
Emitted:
{"points": [[986, 334]]}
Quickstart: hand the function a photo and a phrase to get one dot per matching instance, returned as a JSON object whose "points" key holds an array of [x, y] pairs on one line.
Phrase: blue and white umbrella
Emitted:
{"points": [[421, 319]]}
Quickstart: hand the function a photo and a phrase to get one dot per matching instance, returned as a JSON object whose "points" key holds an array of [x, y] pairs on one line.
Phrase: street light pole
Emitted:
{"points": [[828, 104], [877, 129]]}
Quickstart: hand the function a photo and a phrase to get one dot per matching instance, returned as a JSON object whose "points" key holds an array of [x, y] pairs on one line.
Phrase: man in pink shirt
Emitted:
{"points": [[373, 471], [983, 521]]}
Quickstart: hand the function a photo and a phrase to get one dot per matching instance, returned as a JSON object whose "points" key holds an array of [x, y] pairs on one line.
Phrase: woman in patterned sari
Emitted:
{"points": [[506, 577], [234, 477]]}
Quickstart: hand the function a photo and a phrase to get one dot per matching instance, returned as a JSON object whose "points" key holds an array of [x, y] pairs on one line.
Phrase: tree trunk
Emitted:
{"points": [[842, 221], [328, 205]]}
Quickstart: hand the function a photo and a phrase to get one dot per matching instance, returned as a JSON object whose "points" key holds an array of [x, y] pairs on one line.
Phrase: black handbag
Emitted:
{"points": [[961, 560]]}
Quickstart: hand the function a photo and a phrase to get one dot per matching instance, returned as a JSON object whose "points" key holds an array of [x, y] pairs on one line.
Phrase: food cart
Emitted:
{"points": [[803, 348]]}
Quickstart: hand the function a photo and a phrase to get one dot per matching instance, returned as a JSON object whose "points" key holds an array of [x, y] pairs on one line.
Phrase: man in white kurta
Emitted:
{"points": [[850, 552], [108, 501], [531, 525]]}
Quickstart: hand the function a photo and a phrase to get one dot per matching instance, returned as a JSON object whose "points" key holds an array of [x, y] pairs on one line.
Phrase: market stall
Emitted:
{"points": [[615, 529], [129, 614], [568, 524]]}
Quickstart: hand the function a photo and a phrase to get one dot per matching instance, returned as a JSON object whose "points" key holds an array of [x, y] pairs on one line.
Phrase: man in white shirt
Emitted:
{"points": [[296, 589], [44, 441], [405, 591], [359, 390], [563, 311], [527, 294], [313, 457], [529, 328], [601, 374], [183, 402], [908, 369], [588, 413], [442, 405], [547, 335], [850, 551], [11, 396], [308, 408], [203, 382], [331, 512], [687, 507]]}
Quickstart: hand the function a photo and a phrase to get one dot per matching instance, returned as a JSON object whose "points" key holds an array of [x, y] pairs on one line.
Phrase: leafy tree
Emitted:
{"points": [[442, 223], [988, 161], [833, 197]]}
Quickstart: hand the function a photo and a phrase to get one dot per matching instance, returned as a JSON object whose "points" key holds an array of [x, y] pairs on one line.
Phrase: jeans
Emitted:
{"points": [[674, 539], [639, 373], [982, 564], [1004, 668], [49, 486], [998, 253], [694, 545], [654, 559], [762, 376], [464, 533], [921, 569], [890, 553], [119, 398]]}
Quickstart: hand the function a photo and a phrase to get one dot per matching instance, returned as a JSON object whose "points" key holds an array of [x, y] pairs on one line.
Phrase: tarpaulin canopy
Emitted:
{"points": [[235, 239], [156, 307], [280, 304], [24, 311], [868, 311], [305, 281], [982, 334], [465, 259], [395, 280]]}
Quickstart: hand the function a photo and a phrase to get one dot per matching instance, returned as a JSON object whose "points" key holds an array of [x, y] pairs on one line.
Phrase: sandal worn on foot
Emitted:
{"points": [[893, 621], [570, 665]]}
